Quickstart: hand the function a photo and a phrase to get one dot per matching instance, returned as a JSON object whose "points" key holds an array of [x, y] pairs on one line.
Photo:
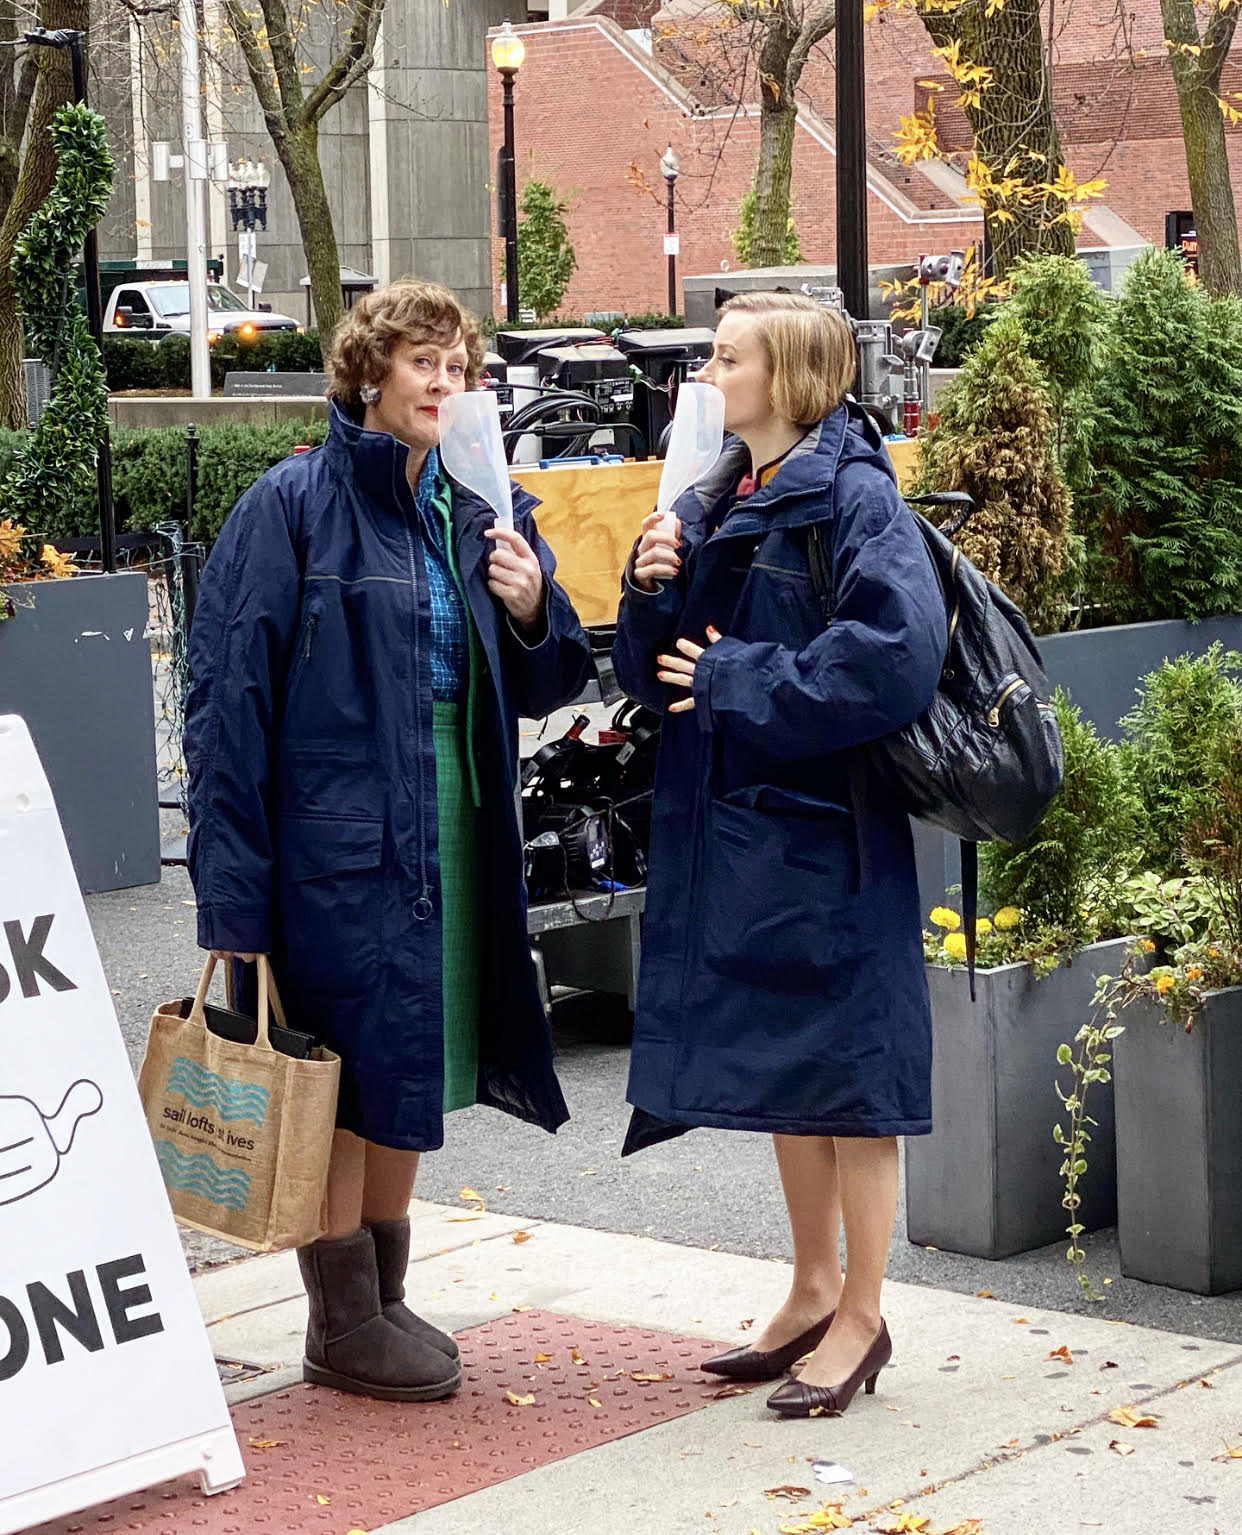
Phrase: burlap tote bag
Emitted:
{"points": [[243, 1132]]}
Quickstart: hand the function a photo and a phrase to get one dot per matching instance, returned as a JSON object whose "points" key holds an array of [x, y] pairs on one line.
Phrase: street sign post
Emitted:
{"points": [[107, 1381]]}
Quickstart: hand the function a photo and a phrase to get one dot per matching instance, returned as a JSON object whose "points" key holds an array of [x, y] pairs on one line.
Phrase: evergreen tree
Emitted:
{"points": [[546, 259], [1164, 516], [995, 440]]}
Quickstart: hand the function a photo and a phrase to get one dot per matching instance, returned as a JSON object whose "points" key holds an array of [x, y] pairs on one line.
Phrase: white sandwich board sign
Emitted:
{"points": [[107, 1382]]}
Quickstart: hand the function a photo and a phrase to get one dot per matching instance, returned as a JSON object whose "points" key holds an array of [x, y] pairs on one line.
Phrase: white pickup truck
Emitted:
{"points": [[163, 308]]}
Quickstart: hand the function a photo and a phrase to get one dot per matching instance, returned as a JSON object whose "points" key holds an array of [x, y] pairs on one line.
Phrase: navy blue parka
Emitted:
{"points": [[312, 771], [782, 984]]}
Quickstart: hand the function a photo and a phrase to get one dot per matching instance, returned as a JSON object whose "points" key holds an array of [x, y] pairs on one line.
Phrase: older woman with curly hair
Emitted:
{"points": [[364, 643]]}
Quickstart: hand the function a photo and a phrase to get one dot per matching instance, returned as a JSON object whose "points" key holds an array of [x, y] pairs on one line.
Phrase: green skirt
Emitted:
{"points": [[459, 901]]}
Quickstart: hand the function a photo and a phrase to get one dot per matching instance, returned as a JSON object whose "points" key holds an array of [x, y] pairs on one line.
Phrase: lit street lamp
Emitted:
{"points": [[508, 52], [670, 168]]}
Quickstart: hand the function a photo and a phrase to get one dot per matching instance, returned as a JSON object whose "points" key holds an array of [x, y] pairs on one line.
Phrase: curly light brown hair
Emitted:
{"points": [[405, 310]]}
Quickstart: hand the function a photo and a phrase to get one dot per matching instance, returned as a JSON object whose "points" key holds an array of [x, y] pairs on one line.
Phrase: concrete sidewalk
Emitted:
{"points": [[982, 1415]]}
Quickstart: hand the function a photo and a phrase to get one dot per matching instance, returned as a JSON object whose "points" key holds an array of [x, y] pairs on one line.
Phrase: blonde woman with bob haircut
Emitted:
{"points": [[364, 643], [782, 984]]}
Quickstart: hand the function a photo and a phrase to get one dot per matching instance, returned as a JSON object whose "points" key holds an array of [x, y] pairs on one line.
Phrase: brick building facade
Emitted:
{"points": [[597, 104]]}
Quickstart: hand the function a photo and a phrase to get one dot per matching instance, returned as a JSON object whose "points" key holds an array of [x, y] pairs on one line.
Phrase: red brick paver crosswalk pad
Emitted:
{"points": [[328, 1462]]}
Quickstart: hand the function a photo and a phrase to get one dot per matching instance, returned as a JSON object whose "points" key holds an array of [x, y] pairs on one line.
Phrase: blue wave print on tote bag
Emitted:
{"points": [[207, 1090], [227, 1187]]}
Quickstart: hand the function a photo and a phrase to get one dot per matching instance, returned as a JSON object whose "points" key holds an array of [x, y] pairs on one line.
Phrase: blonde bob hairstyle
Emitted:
{"points": [[810, 352], [405, 310]]}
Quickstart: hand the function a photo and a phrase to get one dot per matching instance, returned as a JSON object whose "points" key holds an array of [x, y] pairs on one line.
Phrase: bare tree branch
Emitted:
{"points": [[284, 59], [351, 65], [258, 68]]}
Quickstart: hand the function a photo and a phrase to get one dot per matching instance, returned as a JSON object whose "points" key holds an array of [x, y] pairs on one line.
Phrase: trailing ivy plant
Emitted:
{"points": [[55, 464], [743, 237]]}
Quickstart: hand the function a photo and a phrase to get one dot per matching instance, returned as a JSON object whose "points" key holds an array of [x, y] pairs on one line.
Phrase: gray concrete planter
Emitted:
{"points": [[77, 667], [1101, 670], [1179, 1146], [986, 1181]]}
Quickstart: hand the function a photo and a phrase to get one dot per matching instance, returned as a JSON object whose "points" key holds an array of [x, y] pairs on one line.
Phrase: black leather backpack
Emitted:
{"points": [[984, 760]]}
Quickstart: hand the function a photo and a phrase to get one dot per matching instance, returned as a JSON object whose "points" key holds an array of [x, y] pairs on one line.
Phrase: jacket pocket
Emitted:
{"points": [[312, 847], [779, 902]]}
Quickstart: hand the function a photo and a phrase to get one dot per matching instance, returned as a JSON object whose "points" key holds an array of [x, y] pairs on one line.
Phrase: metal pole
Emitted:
{"points": [[195, 213], [94, 319], [852, 275], [510, 196], [672, 260]]}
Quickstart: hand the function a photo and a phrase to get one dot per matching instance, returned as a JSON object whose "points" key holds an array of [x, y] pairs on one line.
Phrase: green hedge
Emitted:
{"points": [[134, 362], [148, 474]]}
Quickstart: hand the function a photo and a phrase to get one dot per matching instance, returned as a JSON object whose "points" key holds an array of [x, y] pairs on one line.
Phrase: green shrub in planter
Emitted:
{"points": [[1164, 515]]}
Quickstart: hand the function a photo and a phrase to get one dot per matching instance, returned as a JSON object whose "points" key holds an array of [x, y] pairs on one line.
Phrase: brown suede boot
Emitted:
{"points": [[392, 1257], [349, 1343]]}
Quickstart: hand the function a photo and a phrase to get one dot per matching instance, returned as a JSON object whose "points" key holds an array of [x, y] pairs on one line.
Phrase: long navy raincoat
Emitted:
{"points": [[313, 779], [782, 984]]}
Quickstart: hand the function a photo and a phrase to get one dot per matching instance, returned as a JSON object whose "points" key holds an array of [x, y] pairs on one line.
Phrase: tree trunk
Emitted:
{"points": [[1197, 78], [34, 182], [299, 154], [772, 180], [1014, 114]]}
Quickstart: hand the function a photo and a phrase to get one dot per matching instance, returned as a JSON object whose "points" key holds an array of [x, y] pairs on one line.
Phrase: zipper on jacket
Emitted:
{"points": [[311, 621], [424, 906]]}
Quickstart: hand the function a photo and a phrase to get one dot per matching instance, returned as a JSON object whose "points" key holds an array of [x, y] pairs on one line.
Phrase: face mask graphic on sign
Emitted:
{"points": [[32, 1143]]}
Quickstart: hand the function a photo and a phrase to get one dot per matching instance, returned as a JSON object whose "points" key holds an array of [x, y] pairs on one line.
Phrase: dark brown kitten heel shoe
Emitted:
{"points": [[767, 1364], [795, 1400]]}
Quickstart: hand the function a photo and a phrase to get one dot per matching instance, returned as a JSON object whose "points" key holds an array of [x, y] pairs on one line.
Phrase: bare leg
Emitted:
{"points": [[346, 1173], [367, 1182], [808, 1166], [389, 1183], [868, 1172]]}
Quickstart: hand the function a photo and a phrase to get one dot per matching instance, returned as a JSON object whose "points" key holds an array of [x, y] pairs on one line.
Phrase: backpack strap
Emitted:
{"points": [[821, 570], [970, 905]]}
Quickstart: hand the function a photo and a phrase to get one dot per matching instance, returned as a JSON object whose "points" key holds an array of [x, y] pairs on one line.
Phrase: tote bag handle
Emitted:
{"points": [[267, 988]]}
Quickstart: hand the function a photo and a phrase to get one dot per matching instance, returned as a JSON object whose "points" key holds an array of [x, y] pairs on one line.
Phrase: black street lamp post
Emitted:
{"points": [[508, 52], [670, 168], [852, 275], [74, 41]]}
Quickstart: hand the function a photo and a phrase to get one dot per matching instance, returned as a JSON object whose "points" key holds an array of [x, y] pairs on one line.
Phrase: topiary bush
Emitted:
{"points": [[54, 466], [995, 440]]}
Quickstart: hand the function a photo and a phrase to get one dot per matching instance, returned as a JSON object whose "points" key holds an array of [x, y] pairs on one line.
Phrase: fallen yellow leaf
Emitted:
{"points": [[319, 1498], [1210, 1384], [907, 1524], [523, 1308], [1232, 1451], [1120, 1448], [651, 1375], [1131, 1417], [576, 1356], [1061, 1353], [1018, 1320], [521, 1401], [471, 1194], [594, 1402], [266, 1444], [985, 1295], [965, 1527], [542, 1358], [794, 1494], [521, 1236], [734, 1390], [1009, 1444]]}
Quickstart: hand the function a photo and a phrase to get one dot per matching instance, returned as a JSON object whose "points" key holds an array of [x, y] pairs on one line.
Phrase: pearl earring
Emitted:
{"points": [[369, 394]]}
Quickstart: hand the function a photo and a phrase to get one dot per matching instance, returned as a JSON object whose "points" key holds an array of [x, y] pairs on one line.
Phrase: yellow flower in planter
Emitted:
{"points": [[1007, 918], [955, 945], [944, 916], [1164, 984], [983, 927], [1194, 973], [1149, 946]]}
